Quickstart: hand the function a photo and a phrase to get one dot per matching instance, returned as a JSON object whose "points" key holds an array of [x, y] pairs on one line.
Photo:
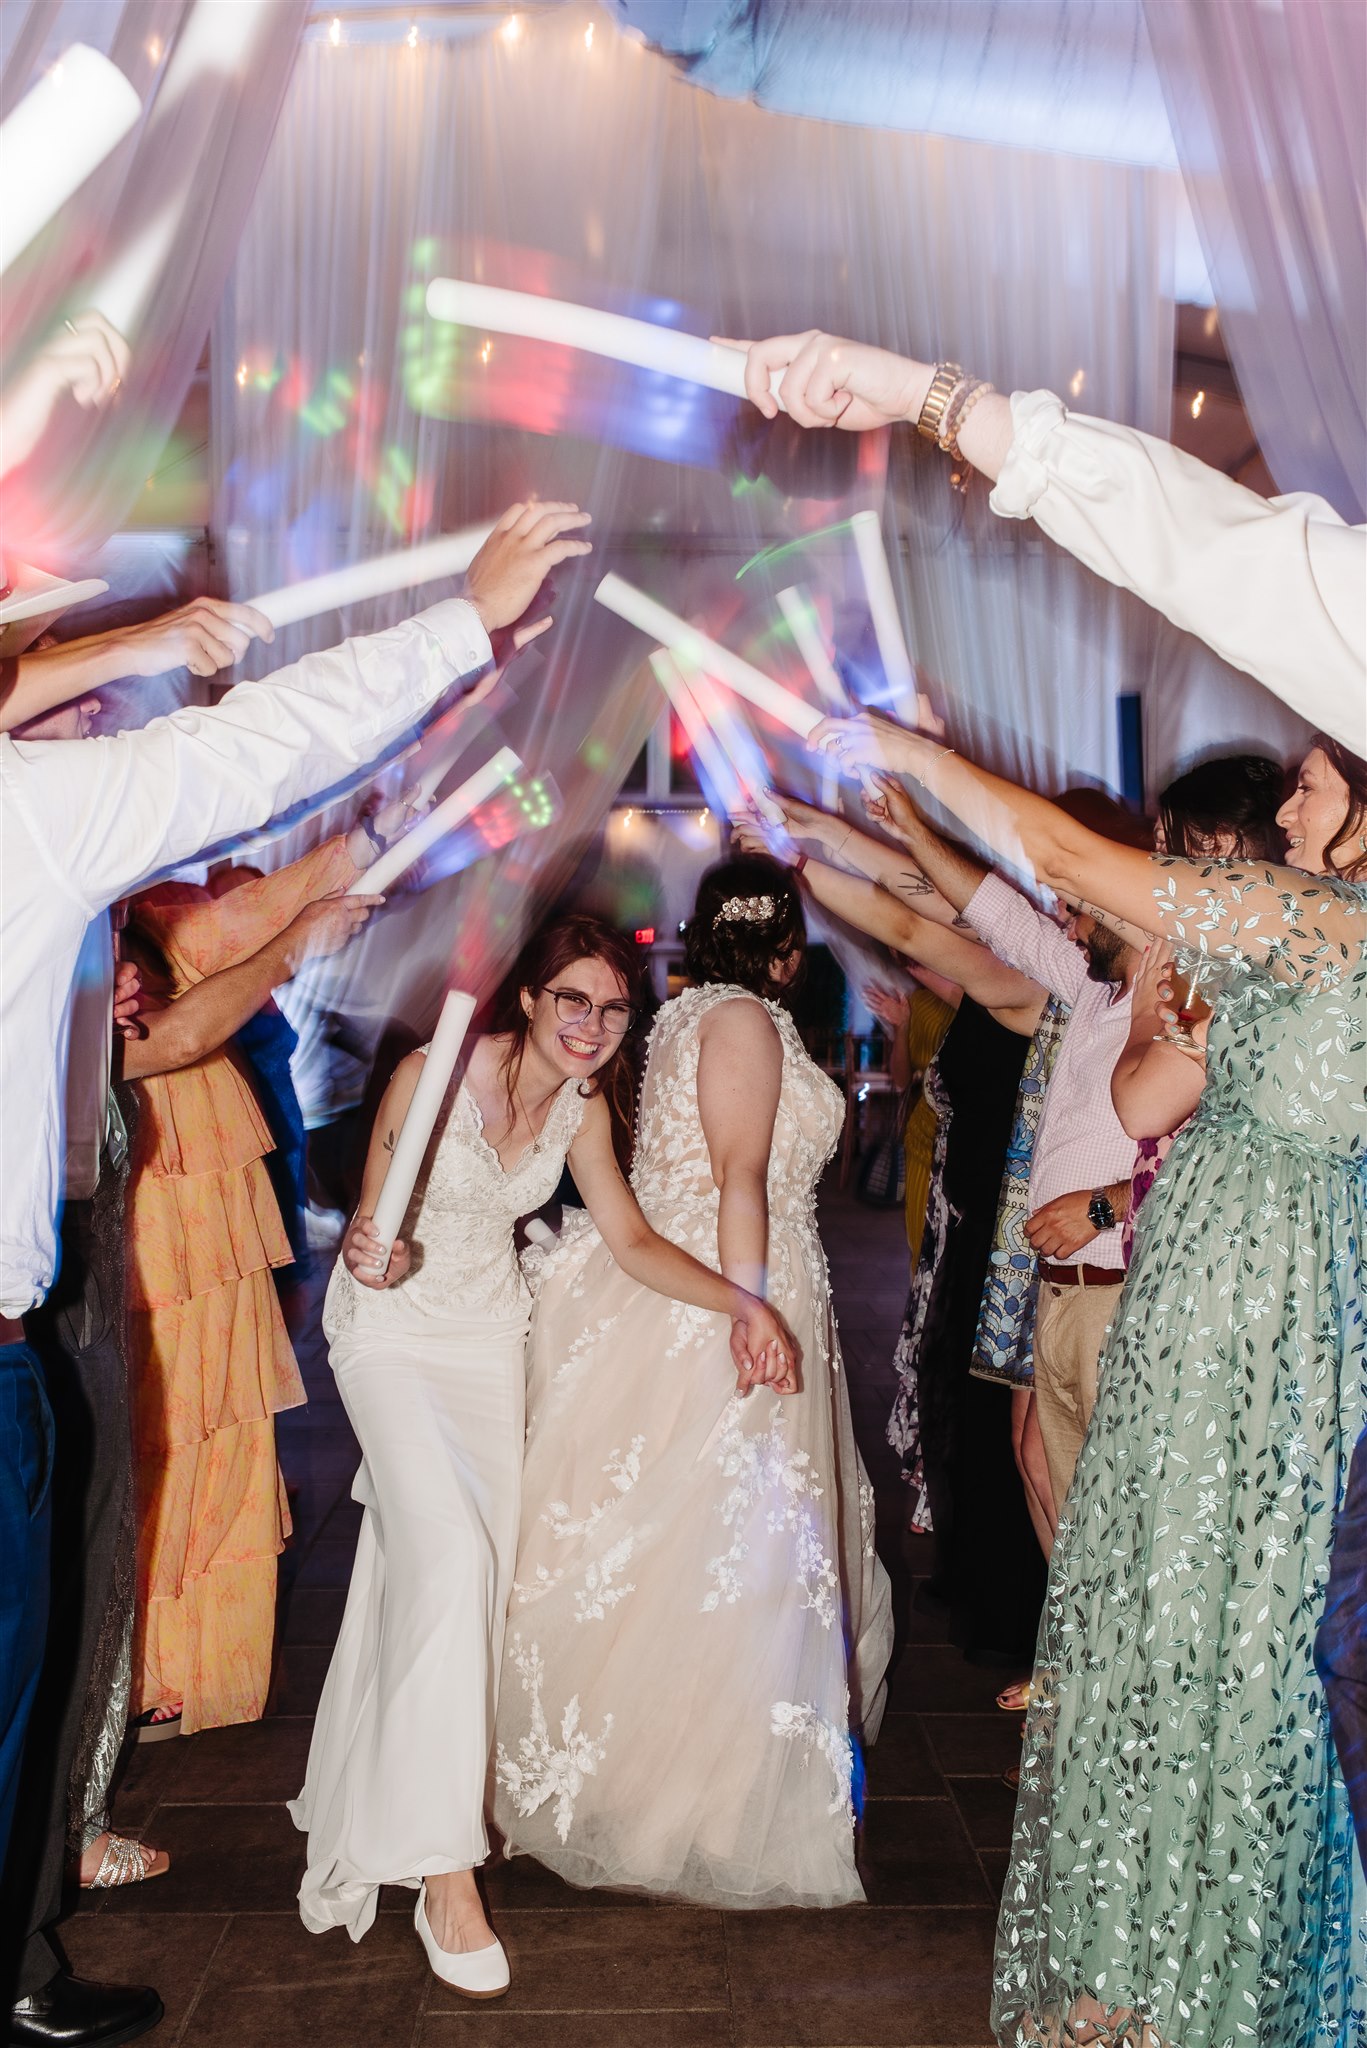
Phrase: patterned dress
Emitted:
{"points": [[699, 1624], [1183, 1873]]}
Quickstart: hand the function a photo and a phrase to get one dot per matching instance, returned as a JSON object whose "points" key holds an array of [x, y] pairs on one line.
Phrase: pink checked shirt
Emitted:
{"points": [[1081, 1143]]}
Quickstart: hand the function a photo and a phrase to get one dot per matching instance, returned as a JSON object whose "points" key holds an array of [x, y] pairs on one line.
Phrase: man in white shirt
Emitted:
{"points": [[81, 824]]}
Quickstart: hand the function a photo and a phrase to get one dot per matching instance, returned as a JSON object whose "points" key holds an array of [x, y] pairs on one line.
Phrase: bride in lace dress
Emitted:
{"points": [[699, 1626], [429, 1358]]}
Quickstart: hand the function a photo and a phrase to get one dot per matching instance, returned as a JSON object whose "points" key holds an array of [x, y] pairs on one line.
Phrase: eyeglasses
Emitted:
{"points": [[573, 1008]]}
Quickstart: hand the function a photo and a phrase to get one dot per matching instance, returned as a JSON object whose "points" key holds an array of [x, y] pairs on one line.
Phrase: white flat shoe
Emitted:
{"points": [[477, 1973]]}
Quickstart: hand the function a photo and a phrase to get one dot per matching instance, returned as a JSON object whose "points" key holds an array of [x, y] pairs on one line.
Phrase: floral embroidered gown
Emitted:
{"points": [[1183, 1873], [699, 1625]]}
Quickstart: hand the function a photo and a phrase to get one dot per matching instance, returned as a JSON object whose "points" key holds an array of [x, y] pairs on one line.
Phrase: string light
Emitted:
{"points": [[242, 376], [486, 351], [1198, 404], [588, 37], [335, 32], [1077, 382], [511, 31], [1211, 322], [153, 47], [413, 35]]}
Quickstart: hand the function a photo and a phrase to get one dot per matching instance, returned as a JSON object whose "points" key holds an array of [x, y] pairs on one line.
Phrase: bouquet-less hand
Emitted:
{"points": [[829, 382], [887, 803], [363, 1254], [868, 740], [323, 927], [203, 636], [764, 1350], [85, 358], [526, 544], [890, 1010], [128, 1000], [1059, 1229], [1187, 988]]}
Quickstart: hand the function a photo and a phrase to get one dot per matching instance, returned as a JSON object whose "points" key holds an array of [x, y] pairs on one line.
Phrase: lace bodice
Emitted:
{"points": [[672, 1171], [461, 1230]]}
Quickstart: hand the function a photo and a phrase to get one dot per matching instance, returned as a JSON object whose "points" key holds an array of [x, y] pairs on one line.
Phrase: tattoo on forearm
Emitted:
{"points": [[911, 882]]}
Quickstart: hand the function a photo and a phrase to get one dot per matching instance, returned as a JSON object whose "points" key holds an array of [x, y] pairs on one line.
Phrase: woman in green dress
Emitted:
{"points": [[1183, 1873]]}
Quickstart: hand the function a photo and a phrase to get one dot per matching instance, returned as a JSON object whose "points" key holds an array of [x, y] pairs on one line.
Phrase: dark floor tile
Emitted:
{"points": [[172, 1954], [934, 1679], [639, 1960], [148, 1773], [224, 1859], [916, 1852], [260, 1763], [878, 1978], [525, 1885], [900, 1764], [297, 1682], [312, 1614], [323, 2011], [974, 1745], [988, 1808], [496, 2027], [328, 1560]]}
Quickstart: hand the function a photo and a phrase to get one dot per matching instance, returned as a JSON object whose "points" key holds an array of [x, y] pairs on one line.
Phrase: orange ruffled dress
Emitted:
{"points": [[211, 1361]]}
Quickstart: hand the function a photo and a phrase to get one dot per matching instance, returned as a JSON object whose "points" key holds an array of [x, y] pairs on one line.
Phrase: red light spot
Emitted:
{"points": [[645, 936]]}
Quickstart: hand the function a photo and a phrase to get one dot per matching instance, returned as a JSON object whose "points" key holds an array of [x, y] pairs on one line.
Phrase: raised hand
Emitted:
{"points": [[324, 927], [525, 546], [866, 740], [85, 358], [204, 636], [891, 1011], [363, 1256], [887, 803], [828, 382]]}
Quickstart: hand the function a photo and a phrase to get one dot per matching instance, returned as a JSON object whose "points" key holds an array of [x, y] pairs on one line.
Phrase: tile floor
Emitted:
{"points": [[221, 1940]]}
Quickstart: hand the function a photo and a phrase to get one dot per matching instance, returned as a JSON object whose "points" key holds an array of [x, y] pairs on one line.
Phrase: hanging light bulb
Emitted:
{"points": [[1198, 405], [588, 37], [335, 32], [511, 31], [1077, 382], [413, 35]]}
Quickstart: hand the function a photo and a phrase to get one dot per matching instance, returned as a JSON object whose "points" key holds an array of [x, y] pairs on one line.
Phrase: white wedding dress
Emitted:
{"points": [[432, 1373], [699, 1623]]}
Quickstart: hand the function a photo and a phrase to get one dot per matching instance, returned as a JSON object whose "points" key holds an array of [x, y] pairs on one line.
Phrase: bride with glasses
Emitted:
{"points": [[429, 1354], [699, 1626]]}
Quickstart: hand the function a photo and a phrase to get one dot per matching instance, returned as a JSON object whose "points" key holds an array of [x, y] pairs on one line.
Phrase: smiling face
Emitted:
{"points": [[1314, 812], [567, 1044]]}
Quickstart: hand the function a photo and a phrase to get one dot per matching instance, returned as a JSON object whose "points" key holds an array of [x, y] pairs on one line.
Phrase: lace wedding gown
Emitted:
{"points": [[698, 1618], [432, 1373]]}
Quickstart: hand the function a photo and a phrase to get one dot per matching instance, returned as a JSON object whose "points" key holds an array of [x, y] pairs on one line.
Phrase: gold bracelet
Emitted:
{"points": [[961, 475], [942, 386]]}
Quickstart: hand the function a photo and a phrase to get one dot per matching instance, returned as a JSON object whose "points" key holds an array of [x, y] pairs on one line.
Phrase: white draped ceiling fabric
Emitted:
{"points": [[1267, 107], [555, 154], [151, 234]]}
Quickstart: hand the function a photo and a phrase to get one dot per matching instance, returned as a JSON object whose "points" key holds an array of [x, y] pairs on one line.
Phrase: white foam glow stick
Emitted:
{"points": [[54, 139], [415, 1133], [887, 621], [696, 651], [396, 860], [800, 614], [403, 570], [216, 42], [719, 770], [740, 745], [638, 342]]}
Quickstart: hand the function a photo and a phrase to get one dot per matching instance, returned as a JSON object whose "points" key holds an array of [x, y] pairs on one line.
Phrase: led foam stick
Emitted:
{"points": [[719, 771], [416, 1130], [475, 790], [637, 342], [740, 746], [800, 614], [887, 623], [404, 570], [696, 651], [56, 137]]}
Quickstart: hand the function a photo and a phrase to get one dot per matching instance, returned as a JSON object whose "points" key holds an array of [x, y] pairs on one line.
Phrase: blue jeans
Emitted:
{"points": [[1341, 1645], [26, 1448]]}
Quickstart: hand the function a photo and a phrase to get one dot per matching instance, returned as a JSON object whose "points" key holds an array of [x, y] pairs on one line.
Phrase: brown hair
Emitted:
{"points": [[1353, 769], [744, 946], [545, 956]]}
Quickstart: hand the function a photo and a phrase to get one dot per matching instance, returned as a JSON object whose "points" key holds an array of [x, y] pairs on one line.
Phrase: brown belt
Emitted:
{"points": [[1080, 1276]]}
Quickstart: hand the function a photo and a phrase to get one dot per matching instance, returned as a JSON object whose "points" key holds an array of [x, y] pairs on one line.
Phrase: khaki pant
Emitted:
{"points": [[1070, 1329]]}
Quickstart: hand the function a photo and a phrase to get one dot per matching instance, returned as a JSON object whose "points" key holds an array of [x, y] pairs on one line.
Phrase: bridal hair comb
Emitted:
{"points": [[745, 910]]}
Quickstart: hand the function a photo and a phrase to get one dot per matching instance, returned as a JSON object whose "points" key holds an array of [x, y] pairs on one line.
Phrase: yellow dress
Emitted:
{"points": [[211, 1361], [927, 1023]]}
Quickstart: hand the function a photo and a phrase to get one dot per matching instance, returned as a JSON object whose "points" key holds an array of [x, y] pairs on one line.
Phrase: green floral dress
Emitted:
{"points": [[1183, 1873]]}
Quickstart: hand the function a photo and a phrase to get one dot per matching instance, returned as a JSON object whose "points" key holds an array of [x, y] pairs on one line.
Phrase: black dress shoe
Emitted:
{"points": [[70, 2013]]}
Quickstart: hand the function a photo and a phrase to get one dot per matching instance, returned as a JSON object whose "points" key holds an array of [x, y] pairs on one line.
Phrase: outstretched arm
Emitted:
{"points": [[893, 868], [203, 637], [1155, 1085], [1290, 922], [762, 1347]]}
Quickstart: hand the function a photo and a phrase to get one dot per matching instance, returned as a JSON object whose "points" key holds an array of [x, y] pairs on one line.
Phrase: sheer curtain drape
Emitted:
{"points": [[149, 238], [1267, 107]]}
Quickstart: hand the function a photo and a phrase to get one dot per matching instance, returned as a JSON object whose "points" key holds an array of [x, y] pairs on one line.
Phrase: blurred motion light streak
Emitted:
{"points": [[55, 138], [403, 570], [475, 790], [698, 651]]}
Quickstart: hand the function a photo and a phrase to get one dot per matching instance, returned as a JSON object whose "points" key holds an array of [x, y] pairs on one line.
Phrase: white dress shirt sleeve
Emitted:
{"points": [[1277, 587], [1026, 938], [109, 813]]}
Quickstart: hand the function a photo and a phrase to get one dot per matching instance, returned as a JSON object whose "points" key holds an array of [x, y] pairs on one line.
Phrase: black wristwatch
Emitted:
{"points": [[1100, 1214]]}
